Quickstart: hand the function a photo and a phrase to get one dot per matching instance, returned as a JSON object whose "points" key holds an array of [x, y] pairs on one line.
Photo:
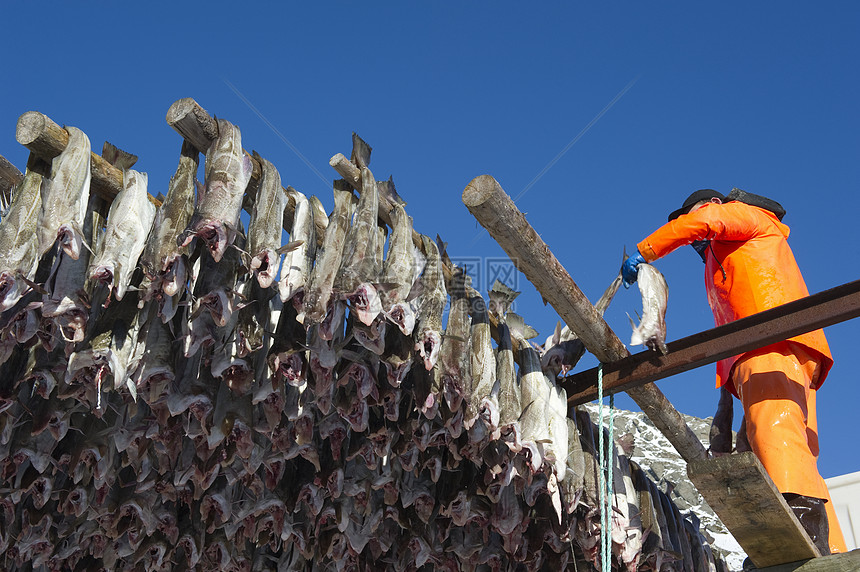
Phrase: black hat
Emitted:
{"points": [[700, 195]]}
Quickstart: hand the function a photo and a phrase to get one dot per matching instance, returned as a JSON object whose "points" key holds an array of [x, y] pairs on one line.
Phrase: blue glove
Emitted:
{"points": [[630, 268]]}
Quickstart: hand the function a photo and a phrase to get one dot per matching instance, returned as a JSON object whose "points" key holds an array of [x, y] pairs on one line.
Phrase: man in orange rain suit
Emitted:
{"points": [[749, 267]]}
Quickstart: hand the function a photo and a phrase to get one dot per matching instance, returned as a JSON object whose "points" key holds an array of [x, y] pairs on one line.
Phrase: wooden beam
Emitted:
{"points": [[496, 212], [197, 127], [800, 316], [45, 139], [845, 562], [193, 123], [744, 497]]}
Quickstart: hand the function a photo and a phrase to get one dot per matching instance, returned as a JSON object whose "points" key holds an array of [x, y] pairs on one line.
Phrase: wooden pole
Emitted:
{"points": [[196, 126], [496, 212], [776, 324], [45, 139]]}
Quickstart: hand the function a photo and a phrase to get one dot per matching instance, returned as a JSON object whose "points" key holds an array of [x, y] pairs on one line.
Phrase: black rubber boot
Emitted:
{"points": [[812, 515]]}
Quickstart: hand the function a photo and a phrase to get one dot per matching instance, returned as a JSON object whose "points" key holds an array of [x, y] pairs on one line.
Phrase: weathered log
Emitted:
{"points": [[42, 136], [193, 123], [496, 212], [196, 126]]}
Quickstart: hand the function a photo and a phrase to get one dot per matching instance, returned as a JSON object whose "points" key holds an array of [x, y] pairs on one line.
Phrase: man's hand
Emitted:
{"points": [[630, 268]]}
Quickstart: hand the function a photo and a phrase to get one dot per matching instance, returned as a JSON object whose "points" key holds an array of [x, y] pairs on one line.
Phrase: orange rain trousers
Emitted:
{"points": [[775, 387]]}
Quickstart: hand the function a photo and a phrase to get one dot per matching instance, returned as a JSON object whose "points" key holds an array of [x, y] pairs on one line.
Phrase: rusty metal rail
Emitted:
{"points": [[811, 313]]}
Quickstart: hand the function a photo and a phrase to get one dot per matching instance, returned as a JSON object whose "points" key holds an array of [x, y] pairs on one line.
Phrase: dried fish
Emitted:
{"points": [[165, 264], [651, 331], [264, 229], [228, 170], [358, 269], [298, 263], [128, 223], [328, 260], [64, 201], [454, 355], [482, 390], [401, 268], [432, 303], [67, 304], [19, 257], [108, 354]]}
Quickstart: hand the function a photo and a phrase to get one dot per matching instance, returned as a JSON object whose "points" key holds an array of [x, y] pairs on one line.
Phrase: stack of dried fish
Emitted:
{"points": [[216, 416]]}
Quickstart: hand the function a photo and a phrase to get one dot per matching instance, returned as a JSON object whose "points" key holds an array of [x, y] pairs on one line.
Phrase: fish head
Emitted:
{"points": [[403, 315], [365, 303], [265, 267], [428, 347], [70, 241], [175, 275], [216, 237], [11, 290], [103, 274]]}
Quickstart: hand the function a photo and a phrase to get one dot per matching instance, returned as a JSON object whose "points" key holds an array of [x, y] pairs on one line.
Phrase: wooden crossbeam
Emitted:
{"points": [[794, 318], [496, 212], [46, 139]]}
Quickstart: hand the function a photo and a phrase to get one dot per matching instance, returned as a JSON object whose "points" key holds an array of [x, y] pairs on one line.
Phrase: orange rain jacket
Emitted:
{"points": [[749, 244]]}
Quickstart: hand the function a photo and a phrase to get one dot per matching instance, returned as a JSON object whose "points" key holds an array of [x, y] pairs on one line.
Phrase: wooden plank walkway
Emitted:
{"points": [[744, 497]]}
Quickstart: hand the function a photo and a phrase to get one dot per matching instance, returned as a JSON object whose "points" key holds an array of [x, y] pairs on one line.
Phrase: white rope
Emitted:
{"points": [[604, 459]]}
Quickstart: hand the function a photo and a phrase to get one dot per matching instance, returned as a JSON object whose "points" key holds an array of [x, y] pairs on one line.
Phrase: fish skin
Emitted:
{"points": [[398, 270], [556, 418], [328, 260], [359, 269], [535, 389], [483, 367], [286, 357], [67, 304], [156, 369], [264, 228], [128, 224], [18, 235], [108, 353], [228, 170], [164, 263], [651, 331], [509, 398], [64, 202], [398, 357], [214, 285], [432, 303], [298, 263], [454, 355]]}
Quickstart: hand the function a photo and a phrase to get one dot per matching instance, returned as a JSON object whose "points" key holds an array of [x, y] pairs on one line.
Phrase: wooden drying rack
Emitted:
{"points": [[736, 486]]}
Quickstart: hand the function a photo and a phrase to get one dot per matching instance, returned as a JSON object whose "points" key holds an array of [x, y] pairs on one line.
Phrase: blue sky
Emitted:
{"points": [[607, 116]]}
